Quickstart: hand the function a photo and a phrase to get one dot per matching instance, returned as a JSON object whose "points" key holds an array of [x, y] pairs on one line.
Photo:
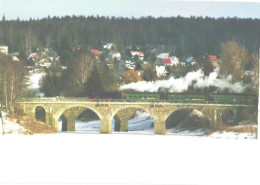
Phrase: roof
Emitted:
{"points": [[163, 55], [189, 59], [212, 58], [94, 51], [33, 55], [139, 53], [167, 60], [108, 46]]}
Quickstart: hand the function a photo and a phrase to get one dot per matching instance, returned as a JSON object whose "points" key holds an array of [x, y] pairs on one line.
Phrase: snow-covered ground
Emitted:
{"points": [[10, 126], [34, 80], [136, 157], [128, 159]]}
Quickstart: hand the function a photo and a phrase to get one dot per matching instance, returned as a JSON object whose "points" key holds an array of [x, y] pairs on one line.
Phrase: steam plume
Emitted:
{"points": [[195, 79]]}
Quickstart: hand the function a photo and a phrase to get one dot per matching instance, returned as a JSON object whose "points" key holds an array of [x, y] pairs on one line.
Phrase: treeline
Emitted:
{"points": [[182, 36]]}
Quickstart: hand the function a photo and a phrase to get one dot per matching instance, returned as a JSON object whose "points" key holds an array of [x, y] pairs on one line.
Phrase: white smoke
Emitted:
{"points": [[196, 79]]}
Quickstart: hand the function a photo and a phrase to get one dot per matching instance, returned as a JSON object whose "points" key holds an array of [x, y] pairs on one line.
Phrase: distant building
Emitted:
{"points": [[4, 49], [190, 61], [163, 56], [44, 63], [94, 52], [15, 58], [129, 64], [212, 58], [140, 54], [109, 46], [117, 56], [214, 61], [166, 59], [33, 56]]}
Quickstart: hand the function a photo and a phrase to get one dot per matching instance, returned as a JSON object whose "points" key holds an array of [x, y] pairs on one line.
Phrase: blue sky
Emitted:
{"points": [[24, 9]]}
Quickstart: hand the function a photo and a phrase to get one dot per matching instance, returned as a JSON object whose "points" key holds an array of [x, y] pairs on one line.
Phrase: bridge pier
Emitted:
{"points": [[159, 126], [159, 115], [123, 117], [106, 125], [214, 117]]}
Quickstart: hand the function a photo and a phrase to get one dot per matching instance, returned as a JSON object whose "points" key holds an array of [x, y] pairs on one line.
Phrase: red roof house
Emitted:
{"points": [[94, 51], [212, 58]]}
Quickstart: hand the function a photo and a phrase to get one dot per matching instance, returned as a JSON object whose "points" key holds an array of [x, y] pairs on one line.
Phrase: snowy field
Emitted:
{"points": [[136, 157], [128, 159]]}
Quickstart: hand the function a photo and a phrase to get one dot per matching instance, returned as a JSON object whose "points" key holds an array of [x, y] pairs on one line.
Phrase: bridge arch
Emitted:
{"points": [[40, 113], [187, 118], [228, 116], [124, 114], [59, 112], [69, 116]]}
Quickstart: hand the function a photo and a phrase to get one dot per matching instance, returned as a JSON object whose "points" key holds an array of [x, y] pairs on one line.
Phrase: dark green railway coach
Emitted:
{"points": [[182, 97], [192, 98], [142, 96], [234, 98]]}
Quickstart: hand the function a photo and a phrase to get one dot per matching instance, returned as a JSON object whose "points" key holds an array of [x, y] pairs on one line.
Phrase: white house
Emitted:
{"points": [[116, 55], [140, 54], [4, 49], [44, 63], [129, 64]]}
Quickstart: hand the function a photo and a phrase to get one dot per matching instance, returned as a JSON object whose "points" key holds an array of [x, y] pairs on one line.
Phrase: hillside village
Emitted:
{"points": [[43, 58], [163, 63]]}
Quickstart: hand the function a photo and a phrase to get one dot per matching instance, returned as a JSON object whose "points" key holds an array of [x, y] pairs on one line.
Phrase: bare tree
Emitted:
{"points": [[81, 68], [13, 78], [256, 61], [234, 59]]}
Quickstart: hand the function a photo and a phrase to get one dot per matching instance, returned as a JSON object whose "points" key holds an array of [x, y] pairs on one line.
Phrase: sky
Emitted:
{"points": [[26, 9]]}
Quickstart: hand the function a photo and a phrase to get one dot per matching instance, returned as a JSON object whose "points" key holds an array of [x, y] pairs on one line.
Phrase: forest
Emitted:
{"points": [[193, 36]]}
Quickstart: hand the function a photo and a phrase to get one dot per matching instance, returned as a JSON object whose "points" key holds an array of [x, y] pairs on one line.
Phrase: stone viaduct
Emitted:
{"points": [[69, 109]]}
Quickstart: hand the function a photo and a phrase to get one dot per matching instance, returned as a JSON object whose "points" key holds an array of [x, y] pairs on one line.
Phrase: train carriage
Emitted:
{"points": [[142, 96], [234, 98], [192, 98]]}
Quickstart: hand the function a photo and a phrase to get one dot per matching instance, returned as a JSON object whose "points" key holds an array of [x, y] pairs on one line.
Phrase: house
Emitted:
{"points": [[140, 54], [190, 61], [174, 60], [163, 56], [94, 52], [214, 61], [4, 49], [117, 56], [15, 58], [166, 59], [44, 63], [33, 56], [109, 46], [129, 64], [212, 58]]}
